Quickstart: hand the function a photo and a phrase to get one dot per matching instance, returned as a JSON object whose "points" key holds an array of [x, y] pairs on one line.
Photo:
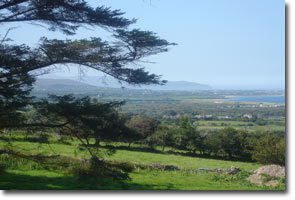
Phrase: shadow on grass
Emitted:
{"points": [[12, 181], [32, 139], [187, 154], [136, 149]]}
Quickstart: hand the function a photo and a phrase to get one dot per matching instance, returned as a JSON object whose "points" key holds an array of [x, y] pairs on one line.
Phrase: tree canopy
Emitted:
{"points": [[121, 57]]}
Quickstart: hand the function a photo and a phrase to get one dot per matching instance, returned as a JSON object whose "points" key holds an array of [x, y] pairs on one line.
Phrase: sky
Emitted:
{"points": [[227, 44]]}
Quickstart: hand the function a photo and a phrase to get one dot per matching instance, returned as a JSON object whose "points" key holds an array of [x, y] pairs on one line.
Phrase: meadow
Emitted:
{"points": [[24, 174]]}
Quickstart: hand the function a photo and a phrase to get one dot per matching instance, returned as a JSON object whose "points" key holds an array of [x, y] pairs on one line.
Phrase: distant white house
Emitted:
{"points": [[249, 116], [223, 117], [198, 116]]}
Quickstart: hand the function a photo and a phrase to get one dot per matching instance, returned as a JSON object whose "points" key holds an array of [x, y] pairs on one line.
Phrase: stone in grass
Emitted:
{"points": [[270, 170], [259, 180], [272, 183], [171, 167], [231, 171], [163, 167], [256, 179]]}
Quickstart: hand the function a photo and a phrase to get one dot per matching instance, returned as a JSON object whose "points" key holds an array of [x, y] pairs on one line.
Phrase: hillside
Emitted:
{"points": [[62, 85], [110, 82], [171, 85]]}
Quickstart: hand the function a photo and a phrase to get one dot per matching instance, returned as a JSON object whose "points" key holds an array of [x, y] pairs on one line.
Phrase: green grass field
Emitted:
{"points": [[249, 126], [29, 175]]}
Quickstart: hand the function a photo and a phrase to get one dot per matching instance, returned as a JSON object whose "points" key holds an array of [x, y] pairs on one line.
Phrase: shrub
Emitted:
{"points": [[268, 149]]}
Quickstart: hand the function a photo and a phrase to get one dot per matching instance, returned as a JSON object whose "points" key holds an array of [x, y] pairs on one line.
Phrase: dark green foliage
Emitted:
{"points": [[99, 169], [187, 137], [130, 135], [15, 84], [245, 147], [144, 125], [43, 138], [66, 16], [115, 58], [2, 167], [212, 142], [82, 118], [163, 136], [230, 141], [268, 148]]}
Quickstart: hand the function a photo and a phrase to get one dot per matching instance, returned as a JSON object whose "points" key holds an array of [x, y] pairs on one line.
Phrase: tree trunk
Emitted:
{"points": [[163, 147], [97, 142], [229, 154]]}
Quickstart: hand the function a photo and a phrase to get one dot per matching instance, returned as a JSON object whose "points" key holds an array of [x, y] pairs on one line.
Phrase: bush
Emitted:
{"points": [[268, 149], [237, 178]]}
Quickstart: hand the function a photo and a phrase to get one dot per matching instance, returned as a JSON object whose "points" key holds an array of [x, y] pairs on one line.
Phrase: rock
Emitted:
{"points": [[163, 167], [157, 166], [271, 170], [256, 179], [259, 179], [170, 167], [272, 183], [233, 170]]}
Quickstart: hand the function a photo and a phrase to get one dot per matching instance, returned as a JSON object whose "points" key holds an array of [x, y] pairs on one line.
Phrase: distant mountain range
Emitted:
{"points": [[90, 83], [62, 85]]}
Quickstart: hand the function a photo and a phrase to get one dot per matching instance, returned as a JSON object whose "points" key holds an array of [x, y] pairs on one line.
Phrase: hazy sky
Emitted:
{"points": [[233, 44]]}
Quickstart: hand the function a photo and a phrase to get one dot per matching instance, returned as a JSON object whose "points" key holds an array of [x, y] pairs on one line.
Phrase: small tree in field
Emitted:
{"points": [[163, 136]]}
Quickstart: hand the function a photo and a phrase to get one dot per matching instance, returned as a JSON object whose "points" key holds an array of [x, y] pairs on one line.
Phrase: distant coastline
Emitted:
{"points": [[258, 99]]}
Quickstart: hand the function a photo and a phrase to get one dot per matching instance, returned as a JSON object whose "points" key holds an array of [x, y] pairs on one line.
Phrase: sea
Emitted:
{"points": [[258, 99]]}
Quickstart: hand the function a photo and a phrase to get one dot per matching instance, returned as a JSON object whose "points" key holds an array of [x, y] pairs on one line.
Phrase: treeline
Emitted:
{"points": [[92, 122], [228, 142]]}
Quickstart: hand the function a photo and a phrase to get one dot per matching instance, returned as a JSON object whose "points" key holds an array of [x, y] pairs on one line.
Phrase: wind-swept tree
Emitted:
{"points": [[119, 58]]}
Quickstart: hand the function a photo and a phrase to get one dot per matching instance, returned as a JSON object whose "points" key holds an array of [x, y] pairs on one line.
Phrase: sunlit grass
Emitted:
{"points": [[29, 175]]}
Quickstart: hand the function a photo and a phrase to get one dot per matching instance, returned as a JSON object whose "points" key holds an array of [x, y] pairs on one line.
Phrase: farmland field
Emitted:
{"points": [[188, 178]]}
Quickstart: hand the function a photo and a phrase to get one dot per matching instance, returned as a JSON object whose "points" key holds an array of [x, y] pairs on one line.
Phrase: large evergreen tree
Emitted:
{"points": [[119, 58]]}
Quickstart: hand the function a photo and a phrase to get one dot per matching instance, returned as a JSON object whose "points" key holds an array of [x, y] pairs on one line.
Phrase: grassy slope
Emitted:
{"points": [[24, 178]]}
